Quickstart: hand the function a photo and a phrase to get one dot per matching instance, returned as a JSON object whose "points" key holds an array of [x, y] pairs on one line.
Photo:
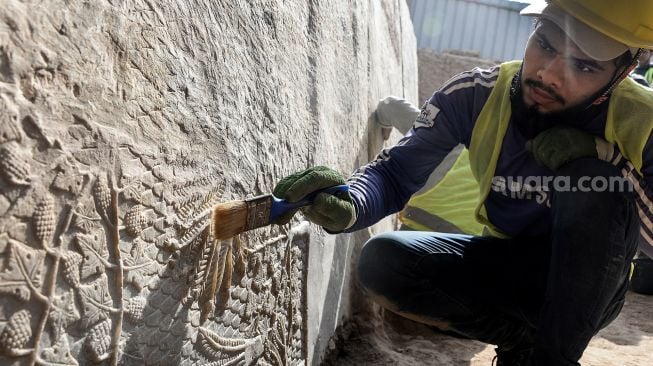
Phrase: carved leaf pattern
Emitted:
{"points": [[206, 293], [94, 252], [236, 350], [227, 268], [202, 257], [20, 266], [59, 354], [210, 279], [133, 192], [86, 217], [96, 301], [139, 267], [9, 131], [63, 313], [67, 182], [276, 348]]}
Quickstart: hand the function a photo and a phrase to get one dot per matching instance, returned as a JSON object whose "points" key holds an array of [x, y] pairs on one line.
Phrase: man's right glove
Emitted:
{"points": [[559, 145], [333, 212]]}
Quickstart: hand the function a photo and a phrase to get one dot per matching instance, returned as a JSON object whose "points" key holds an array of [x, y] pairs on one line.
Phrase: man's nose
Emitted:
{"points": [[552, 72]]}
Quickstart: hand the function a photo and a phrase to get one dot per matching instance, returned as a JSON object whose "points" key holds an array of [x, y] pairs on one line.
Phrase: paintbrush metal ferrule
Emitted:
{"points": [[234, 217], [258, 211]]}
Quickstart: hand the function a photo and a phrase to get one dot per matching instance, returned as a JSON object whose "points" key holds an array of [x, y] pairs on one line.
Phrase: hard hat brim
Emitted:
{"points": [[595, 44]]}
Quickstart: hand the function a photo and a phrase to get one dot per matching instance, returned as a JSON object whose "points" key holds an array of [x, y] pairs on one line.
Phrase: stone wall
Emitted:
{"points": [[436, 68], [123, 121]]}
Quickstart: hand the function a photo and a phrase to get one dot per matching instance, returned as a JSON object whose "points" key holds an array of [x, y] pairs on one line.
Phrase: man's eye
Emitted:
{"points": [[582, 67], [545, 45]]}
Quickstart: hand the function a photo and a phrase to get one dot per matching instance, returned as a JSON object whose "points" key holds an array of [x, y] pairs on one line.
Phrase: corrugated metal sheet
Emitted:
{"points": [[492, 28]]}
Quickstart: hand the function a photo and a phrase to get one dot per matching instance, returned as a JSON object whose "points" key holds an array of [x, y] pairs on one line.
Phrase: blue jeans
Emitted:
{"points": [[550, 293]]}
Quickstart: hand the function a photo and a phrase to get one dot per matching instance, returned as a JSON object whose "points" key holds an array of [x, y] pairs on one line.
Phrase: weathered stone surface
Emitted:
{"points": [[123, 121]]}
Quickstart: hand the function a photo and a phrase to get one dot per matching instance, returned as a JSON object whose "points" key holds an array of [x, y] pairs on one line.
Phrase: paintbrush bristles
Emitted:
{"points": [[229, 219]]}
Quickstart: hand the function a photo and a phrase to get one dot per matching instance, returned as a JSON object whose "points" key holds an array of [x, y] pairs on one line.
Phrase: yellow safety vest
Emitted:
{"points": [[459, 197]]}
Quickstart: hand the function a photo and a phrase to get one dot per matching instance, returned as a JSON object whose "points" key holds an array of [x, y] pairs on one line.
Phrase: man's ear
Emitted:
{"points": [[625, 70]]}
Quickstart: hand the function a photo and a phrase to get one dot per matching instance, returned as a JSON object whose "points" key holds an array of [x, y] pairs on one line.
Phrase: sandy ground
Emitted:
{"points": [[385, 339]]}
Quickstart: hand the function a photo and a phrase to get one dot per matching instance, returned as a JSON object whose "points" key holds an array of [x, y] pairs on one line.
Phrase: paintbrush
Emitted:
{"points": [[234, 217]]}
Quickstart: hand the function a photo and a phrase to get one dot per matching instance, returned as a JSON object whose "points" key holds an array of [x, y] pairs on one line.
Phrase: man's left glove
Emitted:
{"points": [[333, 212], [559, 145]]}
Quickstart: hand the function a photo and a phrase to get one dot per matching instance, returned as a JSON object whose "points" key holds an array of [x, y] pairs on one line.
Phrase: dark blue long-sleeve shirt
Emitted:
{"points": [[385, 185]]}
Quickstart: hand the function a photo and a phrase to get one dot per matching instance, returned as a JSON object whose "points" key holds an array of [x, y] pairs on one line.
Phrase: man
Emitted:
{"points": [[644, 69], [543, 136]]}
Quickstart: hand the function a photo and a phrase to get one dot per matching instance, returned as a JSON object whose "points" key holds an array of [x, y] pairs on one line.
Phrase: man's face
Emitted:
{"points": [[556, 74]]}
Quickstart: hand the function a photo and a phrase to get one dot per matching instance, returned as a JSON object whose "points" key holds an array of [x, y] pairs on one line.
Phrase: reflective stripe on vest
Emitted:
{"points": [[449, 205]]}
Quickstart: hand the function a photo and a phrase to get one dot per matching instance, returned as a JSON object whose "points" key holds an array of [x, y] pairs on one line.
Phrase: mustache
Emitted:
{"points": [[538, 84]]}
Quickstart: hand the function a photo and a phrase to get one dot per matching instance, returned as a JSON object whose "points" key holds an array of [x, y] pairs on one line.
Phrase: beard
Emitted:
{"points": [[531, 122]]}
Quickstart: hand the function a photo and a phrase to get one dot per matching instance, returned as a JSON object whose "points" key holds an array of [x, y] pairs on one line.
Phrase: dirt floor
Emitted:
{"points": [[384, 339]]}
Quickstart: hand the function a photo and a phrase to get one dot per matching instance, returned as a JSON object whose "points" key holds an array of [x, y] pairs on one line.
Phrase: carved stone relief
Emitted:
{"points": [[119, 266], [106, 253], [123, 121]]}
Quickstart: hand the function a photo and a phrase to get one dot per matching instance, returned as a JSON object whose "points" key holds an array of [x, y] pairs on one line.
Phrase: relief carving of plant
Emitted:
{"points": [[21, 270]]}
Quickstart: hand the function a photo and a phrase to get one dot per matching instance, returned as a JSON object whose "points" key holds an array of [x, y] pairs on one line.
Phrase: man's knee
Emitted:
{"points": [[373, 262], [601, 222]]}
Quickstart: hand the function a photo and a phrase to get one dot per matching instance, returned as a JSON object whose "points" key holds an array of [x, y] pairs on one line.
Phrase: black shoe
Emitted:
{"points": [[642, 280], [513, 357]]}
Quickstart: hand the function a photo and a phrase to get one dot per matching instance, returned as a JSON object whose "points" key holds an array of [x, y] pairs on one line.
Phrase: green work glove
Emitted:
{"points": [[558, 145], [333, 212]]}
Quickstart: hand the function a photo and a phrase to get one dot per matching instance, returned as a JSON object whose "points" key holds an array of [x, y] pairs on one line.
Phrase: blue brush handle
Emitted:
{"points": [[281, 206]]}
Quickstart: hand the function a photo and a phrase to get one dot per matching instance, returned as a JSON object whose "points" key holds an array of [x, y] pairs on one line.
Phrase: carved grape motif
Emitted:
{"points": [[44, 220], [71, 268], [13, 167], [98, 341], [16, 333], [135, 222], [102, 194], [134, 309]]}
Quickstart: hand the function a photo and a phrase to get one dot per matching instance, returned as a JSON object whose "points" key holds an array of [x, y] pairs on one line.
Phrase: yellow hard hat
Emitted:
{"points": [[628, 21]]}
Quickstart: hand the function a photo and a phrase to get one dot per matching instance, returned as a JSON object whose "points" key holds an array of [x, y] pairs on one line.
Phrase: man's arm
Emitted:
{"points": [[643, 189], [385, 185]]}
